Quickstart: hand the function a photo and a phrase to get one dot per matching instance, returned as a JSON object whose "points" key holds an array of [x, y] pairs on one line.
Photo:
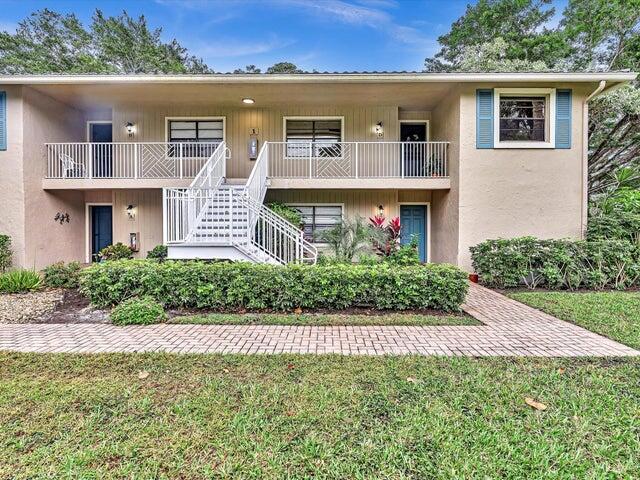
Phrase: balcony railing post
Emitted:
{"points": [[355, 146], [181, 158], [311, 160], [90, 160], [135, 160], [165, 213], [402, 159]]}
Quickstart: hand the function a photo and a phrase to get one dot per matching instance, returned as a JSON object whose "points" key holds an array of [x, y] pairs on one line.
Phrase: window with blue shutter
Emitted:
{"points": [[484, 118], [3, 120], [563, 119]]}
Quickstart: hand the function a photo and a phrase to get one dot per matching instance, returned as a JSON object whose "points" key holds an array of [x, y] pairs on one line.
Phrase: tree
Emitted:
{"points": [[247, 69], [520, 23], [284, 67], [493, 57], [49, 42]]}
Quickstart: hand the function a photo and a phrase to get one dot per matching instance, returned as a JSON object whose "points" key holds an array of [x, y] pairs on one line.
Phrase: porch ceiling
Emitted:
{"points": [[406, 95]]}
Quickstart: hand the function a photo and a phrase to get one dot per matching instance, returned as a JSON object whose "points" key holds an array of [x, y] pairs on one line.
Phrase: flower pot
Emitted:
{"points": [[473, 277]]}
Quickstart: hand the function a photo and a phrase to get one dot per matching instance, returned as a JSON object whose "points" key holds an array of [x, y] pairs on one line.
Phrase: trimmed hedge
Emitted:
{"points": [[223, 285], [557, 264], [138, 311]]}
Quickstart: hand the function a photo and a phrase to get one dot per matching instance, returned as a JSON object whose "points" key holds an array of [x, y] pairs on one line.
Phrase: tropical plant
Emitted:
{"points": [[406, 255], [117, 251], [59, 275], [290, 214], [5, 252], [348, 238], [17, 281], [385, 238]]}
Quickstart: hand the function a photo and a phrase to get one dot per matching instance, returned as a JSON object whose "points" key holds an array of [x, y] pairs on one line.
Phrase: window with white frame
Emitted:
{"points": [[318, 218], [205, 134], [523, 117], [319, 137]]}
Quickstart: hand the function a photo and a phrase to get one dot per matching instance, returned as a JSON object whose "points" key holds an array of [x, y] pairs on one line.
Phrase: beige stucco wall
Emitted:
{"points": [[34, 118], [12, 219], [444, 210], [514, 192]]}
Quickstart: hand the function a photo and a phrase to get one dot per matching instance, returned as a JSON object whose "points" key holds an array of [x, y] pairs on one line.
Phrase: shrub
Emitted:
{"points": [[16, 281], [59, 275], [406, 255], [290, 214], [557, 264], [348, 238], [138, 311], [194, 284], [5, 252], [159, 252], [118, 251], [386, 240]]}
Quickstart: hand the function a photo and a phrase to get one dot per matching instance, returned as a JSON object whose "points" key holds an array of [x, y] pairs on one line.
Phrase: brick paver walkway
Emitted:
{"points": [[510, 329]]}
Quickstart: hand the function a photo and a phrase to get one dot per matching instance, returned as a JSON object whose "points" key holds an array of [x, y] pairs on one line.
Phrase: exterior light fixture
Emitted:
{"points": [[380, 210], [379, 129], [131, 211], [131, 128], [248, 101]]}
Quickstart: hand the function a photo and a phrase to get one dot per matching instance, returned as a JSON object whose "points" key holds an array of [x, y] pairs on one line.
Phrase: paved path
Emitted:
{"points": [[510, 329]]}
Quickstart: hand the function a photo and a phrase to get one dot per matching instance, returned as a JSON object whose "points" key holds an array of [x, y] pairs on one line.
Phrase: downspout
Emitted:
{"points": [[585, 154]]}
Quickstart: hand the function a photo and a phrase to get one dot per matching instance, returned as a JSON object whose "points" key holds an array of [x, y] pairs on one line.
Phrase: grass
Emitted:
{"points": [[268, 417], [613, 314], [325, 319]]}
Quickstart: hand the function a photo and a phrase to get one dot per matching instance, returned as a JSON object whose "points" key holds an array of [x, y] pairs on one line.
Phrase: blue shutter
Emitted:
{"points": [[484, 118], [563, 118], [3, 120]]}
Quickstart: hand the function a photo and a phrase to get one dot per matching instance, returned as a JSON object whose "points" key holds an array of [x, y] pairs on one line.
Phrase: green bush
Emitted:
{"points": [[557, 264], [406, 255], [59, 275], [138, 311], [290, 214], [118, 251], [5, 252], [194, 284], [616, 216], [17, 281], [159, 252]]}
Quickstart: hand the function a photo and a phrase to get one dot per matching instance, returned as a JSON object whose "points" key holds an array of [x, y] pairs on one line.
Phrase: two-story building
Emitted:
{"points": [[191, 160]]}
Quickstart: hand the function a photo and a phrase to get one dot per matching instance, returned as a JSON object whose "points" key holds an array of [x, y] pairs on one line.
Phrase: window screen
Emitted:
{"points": [[196, 131], [523, 119], [319, 218]]}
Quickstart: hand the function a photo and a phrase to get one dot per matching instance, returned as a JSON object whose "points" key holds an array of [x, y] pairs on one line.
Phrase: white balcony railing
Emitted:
{"points": [[149, 160], [318, 160]]}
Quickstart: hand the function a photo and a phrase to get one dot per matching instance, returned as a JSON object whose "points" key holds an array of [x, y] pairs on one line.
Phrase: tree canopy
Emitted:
{"points": [[51, 42]]}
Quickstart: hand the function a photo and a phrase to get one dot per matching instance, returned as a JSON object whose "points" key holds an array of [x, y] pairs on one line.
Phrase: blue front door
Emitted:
{"points": [[101, 231], [413, 220]]}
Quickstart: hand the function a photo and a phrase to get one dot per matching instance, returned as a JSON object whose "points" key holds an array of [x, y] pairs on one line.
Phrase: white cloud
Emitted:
{"points": [[231, 48]]}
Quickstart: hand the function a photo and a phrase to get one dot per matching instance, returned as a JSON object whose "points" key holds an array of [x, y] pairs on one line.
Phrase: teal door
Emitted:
{"points": [[413, 220], [101, 220]]}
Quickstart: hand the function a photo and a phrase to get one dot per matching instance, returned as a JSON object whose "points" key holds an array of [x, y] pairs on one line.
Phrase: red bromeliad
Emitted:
{"points": [[391, 234]]}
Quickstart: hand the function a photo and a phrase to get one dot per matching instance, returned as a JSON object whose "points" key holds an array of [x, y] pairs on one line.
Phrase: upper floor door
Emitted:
{"points": [[414, 154], [101, 136]]}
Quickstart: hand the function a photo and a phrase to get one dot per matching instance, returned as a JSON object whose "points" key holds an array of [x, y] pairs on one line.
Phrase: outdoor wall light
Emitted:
{"points": [[131, 211], [379, 129], [380, 210], [248, 101], [131, 128]]}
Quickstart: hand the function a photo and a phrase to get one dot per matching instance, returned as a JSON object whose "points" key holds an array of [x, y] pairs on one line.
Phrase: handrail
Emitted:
{"points": [[368, 159], [213, 171]]}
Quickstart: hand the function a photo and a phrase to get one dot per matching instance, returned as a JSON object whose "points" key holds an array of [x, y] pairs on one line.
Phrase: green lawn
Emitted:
{"points": [[213, 416], [322, 319], [613, 314]]}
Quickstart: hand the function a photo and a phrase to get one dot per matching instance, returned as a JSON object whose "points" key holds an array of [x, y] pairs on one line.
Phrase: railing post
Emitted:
{"points": [[355, 146], [135, 160], [165, 213], [402, 159], [181, 158], [90, 160], [310, 159]]}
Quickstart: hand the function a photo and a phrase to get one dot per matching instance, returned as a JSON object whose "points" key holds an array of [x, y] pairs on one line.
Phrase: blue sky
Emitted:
{"points": [[334, 35]]}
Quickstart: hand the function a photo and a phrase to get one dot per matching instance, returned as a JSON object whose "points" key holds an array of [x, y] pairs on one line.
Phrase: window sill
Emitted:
{"points": [[523, 145]]}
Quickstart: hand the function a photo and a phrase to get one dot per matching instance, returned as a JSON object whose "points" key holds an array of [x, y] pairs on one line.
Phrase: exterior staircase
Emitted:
{"points": [[212, 219]]}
